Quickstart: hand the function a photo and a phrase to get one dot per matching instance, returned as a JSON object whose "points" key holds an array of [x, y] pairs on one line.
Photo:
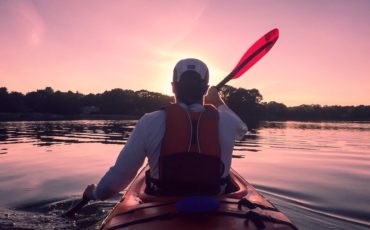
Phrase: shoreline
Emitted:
{"points": [[8, 117]]}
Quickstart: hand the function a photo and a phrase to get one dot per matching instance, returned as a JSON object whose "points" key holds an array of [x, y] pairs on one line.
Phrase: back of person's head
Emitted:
{"points": [[190, 77]]}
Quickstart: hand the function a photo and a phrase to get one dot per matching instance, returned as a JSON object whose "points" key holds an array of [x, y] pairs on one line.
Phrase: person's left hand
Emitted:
{"points": [[89, 192]]}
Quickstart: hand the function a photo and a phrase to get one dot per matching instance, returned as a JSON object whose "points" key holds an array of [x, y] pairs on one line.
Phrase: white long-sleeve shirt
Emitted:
{"points": [[145, 141]]}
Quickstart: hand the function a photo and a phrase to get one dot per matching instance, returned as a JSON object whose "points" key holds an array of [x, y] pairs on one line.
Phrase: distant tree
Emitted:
{"points": [[3, 91], [305, 112], [66, 103], [245, 103], [40, 101], [90, 99], [275, 111], [16, 103], [4, 100], [49, 90], [361, 112], [149, 101], [116, 101]]}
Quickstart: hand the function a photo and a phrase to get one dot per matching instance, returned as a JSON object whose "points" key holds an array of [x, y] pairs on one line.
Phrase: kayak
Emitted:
{"points": [[241, 207]]}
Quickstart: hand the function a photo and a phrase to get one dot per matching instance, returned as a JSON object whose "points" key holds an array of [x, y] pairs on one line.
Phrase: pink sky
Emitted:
{"points": [[322, 55]]}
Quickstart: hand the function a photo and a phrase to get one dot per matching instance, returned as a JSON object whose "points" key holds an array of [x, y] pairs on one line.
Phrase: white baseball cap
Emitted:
{"points": [[191, 64]]}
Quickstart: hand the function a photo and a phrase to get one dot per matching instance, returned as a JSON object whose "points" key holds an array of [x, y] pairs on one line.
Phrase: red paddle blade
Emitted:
{"points": [[255, 53]]}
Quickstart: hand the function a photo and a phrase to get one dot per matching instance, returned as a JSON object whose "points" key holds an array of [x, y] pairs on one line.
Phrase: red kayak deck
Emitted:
{"points": [[242, 207]]}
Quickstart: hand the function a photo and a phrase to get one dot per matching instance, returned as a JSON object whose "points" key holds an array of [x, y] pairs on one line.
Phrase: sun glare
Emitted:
{"points": [[167, 88]]}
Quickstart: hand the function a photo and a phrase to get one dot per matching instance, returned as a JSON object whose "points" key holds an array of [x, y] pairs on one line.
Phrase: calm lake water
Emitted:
{"points": [[317, 173]]}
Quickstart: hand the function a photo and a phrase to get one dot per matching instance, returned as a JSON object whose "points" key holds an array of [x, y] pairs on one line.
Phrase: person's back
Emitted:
{"points": [[188, 144], [190, 155]]}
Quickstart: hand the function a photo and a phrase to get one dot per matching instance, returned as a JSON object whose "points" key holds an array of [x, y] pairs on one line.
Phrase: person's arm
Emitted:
{"points": [[124, 170], [213, 97], [240, 128]]}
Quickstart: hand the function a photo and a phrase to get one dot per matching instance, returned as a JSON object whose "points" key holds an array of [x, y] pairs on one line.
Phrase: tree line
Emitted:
{"points": [[247, 103], [115, 101]]}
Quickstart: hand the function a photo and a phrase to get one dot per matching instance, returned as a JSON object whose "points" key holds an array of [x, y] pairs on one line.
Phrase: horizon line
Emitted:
{"points": [[86, 93]]}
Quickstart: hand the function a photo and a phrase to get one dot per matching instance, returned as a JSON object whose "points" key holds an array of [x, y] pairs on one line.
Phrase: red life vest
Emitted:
{"points": [[191, 131], [190, 158]]}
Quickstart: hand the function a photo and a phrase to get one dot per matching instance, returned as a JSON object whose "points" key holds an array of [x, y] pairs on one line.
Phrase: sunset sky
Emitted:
{"points": [[322, 55]]}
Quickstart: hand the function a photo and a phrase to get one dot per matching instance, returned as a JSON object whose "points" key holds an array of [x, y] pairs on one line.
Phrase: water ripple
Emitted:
{"points": [[316, 205]]}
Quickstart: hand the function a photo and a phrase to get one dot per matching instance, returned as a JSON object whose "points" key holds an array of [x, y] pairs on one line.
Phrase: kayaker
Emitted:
{"points": [[162, 132]]}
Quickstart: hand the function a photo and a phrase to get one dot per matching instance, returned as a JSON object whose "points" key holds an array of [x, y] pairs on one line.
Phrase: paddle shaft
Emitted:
{"points": [[77, 207]]}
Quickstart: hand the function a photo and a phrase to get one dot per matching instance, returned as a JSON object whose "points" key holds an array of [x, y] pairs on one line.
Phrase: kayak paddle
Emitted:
{"points": [[77, 207], [253, 55]]}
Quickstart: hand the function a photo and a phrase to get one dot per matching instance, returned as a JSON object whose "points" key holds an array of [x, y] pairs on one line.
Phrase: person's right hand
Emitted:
{"points": [[213, 97]]}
